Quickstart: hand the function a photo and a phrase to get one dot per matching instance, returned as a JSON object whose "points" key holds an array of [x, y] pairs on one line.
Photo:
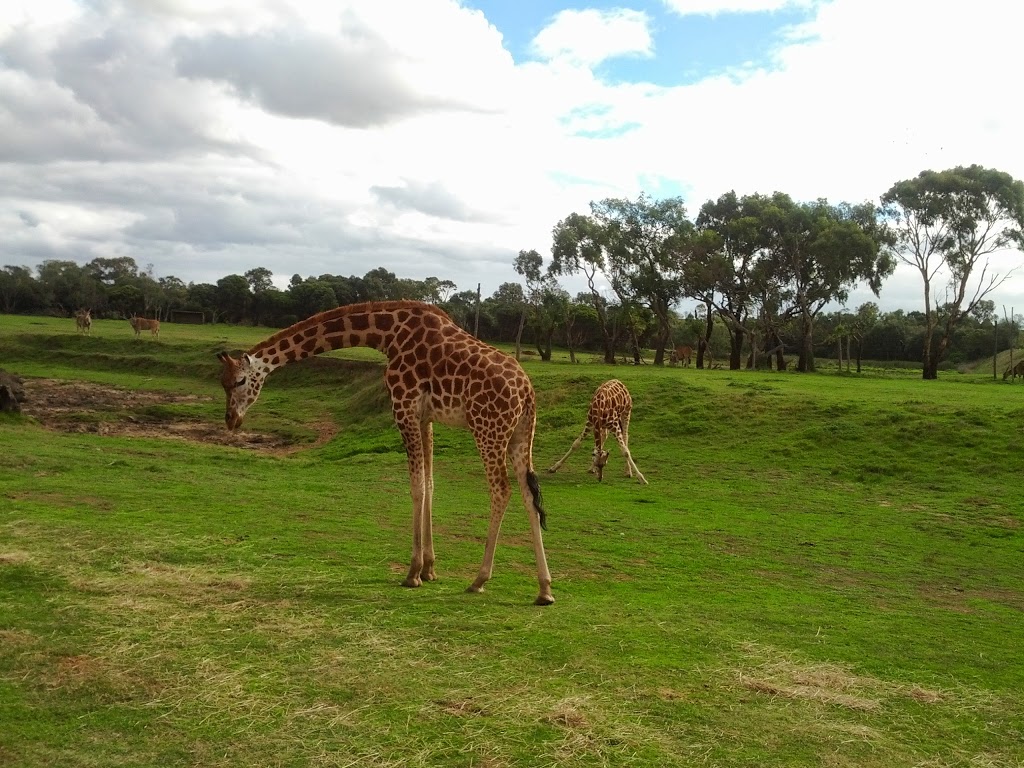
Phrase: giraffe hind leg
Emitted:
{"points": [[501, 492], [413, 439]]}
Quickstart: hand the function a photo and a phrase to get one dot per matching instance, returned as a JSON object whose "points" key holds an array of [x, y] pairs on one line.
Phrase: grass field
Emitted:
{"points": [[825, 570]]}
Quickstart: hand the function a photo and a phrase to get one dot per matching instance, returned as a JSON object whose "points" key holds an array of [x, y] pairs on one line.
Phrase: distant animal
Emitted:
{"points": [[140, 324], [610, 409], [83, 321], [684, 355], [1014, 371]]}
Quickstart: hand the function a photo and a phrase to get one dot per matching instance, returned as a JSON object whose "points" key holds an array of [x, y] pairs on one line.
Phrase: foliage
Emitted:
{"points": [[950, 221]]}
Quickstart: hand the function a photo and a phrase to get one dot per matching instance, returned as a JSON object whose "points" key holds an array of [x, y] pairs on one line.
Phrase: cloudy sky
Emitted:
{"points": [[438, 137]]}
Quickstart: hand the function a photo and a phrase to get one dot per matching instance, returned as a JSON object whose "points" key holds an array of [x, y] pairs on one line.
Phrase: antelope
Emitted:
{"points": [[682, 354], [140, 324], [1014, 371], [83, 321]]}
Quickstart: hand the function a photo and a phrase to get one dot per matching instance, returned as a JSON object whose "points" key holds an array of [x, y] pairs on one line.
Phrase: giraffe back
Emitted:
{"points": [[610, 404]]}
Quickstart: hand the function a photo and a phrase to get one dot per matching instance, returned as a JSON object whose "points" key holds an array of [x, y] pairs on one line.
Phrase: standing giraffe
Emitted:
{"points": [[435, 372], [610, 409]]}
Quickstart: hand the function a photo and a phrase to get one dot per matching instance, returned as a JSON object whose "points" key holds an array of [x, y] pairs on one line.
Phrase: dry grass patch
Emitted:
{"points": [[778, 674]]}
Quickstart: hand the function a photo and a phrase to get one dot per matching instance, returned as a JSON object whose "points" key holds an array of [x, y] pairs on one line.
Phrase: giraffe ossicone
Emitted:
{"points": [[610, 411], [435, 371]]}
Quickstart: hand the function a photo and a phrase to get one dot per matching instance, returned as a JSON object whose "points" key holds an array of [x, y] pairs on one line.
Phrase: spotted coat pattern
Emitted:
{"points": [[435, 371], [610, 410]]}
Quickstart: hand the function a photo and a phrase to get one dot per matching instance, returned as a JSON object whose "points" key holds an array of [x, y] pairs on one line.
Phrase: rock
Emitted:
{"points": [[12, 392]]}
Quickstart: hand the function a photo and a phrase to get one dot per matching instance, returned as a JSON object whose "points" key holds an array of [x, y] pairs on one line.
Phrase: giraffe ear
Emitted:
{"points": [[249, 360]]}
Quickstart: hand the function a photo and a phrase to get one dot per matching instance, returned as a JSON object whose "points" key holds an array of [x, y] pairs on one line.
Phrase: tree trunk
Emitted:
{"points": [[806, 361], [519, 335], [735, 348], [705, 342]]}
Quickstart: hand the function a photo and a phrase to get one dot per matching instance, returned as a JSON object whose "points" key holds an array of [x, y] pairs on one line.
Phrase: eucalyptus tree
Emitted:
{"points": [[577, 246], [818, 252], [646, 245], [951, 222], [439, 291], [718, 273], [528, 264]]}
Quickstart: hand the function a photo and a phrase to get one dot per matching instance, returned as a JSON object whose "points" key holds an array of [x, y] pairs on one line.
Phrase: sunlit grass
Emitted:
{"points": [[824, 570]]}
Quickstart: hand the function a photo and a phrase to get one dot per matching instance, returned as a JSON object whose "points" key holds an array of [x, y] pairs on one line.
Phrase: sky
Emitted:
{"points": [[203, 138]]}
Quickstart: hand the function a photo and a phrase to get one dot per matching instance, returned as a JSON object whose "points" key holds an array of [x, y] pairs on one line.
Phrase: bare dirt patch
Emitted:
{"points": [[81, 406]]}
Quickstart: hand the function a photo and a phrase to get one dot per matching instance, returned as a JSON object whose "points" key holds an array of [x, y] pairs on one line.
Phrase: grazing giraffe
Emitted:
{"points": [[610, 409], [140, 324], [435, 371], [83, 321]]}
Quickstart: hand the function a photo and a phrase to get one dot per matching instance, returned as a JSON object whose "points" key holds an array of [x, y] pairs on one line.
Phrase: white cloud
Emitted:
{"points": [[211, 137], [715, 7], [590, 36]]}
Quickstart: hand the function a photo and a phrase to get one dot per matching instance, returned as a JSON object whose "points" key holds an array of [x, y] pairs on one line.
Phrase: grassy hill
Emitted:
{"points": [[824, 570]]}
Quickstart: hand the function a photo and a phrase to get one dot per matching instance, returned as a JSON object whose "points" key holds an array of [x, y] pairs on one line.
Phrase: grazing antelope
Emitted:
{"points": [[140, 324], [435, 372], [83, 321], [682, 354], [1014, 371], [610, 409]]}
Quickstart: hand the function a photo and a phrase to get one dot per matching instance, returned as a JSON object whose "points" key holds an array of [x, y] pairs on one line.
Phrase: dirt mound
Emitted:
{"points": [[80, 406]]}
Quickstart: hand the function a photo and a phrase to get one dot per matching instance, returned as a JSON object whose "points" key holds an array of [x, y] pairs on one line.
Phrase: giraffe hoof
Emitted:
{"points": [[544, 600], [428, 575], [474, 589], [412, 582]]}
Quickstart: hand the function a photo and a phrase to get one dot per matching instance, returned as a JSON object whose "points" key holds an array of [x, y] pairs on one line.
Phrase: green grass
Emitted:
{"points": [[824, 570]]}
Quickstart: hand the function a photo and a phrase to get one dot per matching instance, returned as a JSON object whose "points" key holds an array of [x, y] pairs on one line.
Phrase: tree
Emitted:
{"points": [[259, 279], [121, 269], [528, 264], [821, 252], [17, 289], [439, 291], [67, 286], [719, 271], [311, 298], [233, 297], [646, 244], [577, 247], [952, 221]]}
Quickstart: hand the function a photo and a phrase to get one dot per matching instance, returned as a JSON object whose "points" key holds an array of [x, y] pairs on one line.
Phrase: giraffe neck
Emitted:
{"points": [[384, 326]]}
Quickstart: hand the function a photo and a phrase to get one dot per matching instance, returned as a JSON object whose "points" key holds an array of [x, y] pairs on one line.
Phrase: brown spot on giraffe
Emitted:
{"points": [[610, 410], [498, 407]]}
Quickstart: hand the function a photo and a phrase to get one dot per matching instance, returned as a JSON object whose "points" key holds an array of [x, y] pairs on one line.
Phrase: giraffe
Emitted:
{"points": [[435, 371], [610, 409]]}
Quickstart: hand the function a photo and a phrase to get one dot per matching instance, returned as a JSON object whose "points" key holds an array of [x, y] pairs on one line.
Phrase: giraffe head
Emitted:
{"points": [[242, 380], [600, 459]]}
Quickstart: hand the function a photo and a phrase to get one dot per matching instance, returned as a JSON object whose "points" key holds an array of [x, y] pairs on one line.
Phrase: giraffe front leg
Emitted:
{"points": [[631, 466], [417, 488], [575, 444]]}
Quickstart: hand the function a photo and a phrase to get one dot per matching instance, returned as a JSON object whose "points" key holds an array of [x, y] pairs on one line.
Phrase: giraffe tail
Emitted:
{"points": [[534, 485]]}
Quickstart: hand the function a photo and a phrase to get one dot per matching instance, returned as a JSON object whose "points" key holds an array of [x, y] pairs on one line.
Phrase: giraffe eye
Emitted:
{"points": [[240, 382]]}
